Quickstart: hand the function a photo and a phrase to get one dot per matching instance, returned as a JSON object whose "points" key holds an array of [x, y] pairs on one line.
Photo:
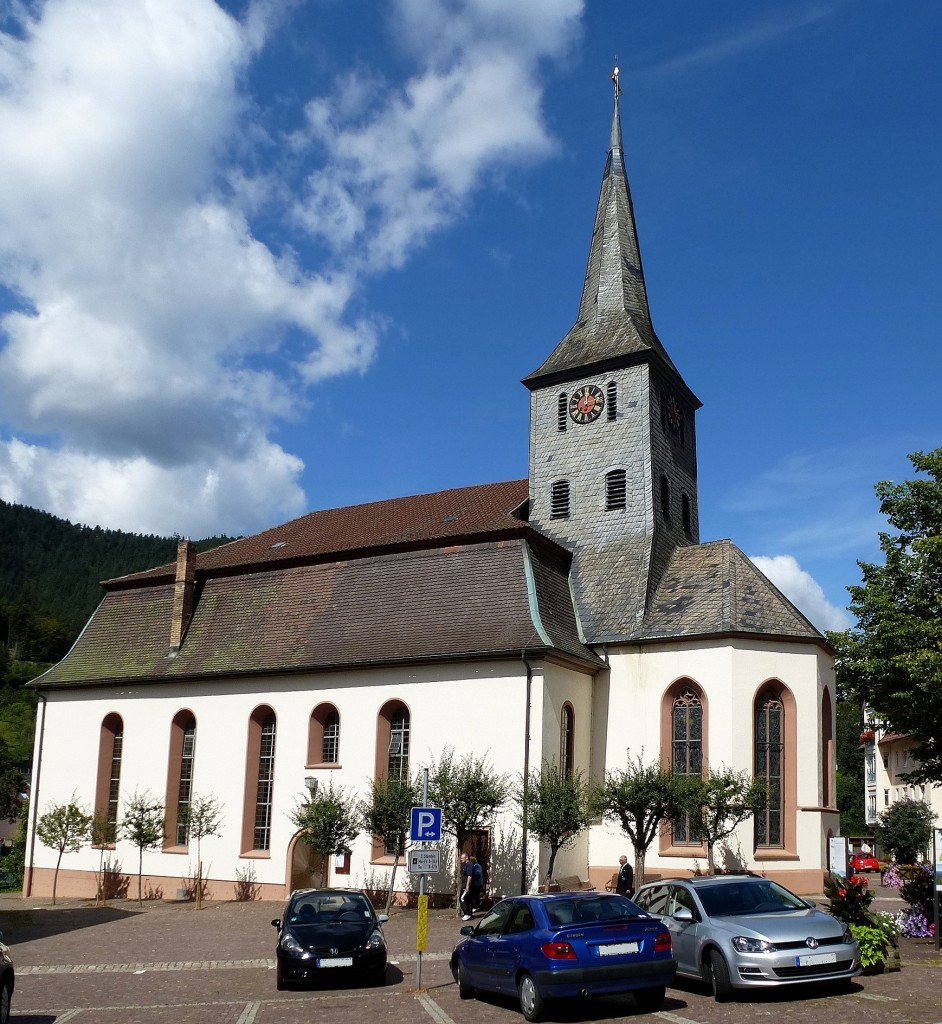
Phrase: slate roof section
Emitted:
{"points": [[444, 602], [420, 520], [713, 588], [614, 326]]}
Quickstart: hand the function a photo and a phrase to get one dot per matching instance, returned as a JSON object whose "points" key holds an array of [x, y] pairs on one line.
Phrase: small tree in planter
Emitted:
{"points": [[326, 821], [202, 819], [143, 826], [385, 814]]}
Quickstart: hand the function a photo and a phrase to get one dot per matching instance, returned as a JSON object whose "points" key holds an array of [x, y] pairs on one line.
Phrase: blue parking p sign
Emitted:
{"points": [[426, 825]]}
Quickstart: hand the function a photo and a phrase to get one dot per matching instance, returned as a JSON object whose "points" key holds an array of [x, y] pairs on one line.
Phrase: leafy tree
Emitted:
{"points": [[66, 828], [850, 768], [638, 798], [892, 660], [143, 826], [326, 821], [720, 803], [386, 814], [469, 792], [905, 829], [553, 807], [201, 819], [103, 834]]}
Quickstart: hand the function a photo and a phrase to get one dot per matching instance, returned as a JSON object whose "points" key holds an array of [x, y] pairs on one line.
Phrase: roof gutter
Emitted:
{"points": [[524, 836]]}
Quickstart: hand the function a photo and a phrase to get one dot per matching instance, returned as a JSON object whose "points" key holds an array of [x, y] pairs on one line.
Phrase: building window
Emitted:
{"points": [[559, 500], [398, 765], [259, 781], [323, 742], [686, 516], [769, 764], [562, 409], [110, 751], [886, 798], [180, 778], [616, 489], [871, 807], [612, 400], [827, 750], [567, 737], [393, 743], [665, 499], [687, 754]]}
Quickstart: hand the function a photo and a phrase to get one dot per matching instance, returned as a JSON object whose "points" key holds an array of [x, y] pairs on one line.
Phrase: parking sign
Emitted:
{"points": [[426, 825]]}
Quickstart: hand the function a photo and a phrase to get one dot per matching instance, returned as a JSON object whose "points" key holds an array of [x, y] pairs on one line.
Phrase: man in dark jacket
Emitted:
{"points": [[626, 878]]}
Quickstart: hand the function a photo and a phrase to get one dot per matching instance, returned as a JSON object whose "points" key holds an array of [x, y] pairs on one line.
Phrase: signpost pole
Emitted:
{"points": [[421, 933], [937, 872]]}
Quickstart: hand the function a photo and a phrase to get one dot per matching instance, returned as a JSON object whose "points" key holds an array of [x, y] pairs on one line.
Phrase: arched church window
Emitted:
{"points": [[612, 400], [259, 781], [567, 735], [559, 500], [110, 752], [616, 489], [180, 778], [562, 408], [323, 740], [687, 753], [769, 766]]}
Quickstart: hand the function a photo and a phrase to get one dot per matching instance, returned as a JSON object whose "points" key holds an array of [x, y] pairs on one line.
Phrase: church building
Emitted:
{"points": [[579, 606]]}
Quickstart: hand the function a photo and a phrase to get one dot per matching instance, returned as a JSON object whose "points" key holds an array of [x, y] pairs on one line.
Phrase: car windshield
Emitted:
{"points": [[587, 910], [758, 896], [332, 908]]}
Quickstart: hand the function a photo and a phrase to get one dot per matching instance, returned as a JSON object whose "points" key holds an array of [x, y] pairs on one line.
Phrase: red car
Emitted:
{"points": [[864, 862]]}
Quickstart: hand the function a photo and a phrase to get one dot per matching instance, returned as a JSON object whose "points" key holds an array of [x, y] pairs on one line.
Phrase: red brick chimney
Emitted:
{"points": [[183, 589]]}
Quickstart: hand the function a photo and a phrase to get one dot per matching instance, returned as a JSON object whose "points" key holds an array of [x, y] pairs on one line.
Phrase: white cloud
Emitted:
{"points": [[157, 340], [802, 590]]}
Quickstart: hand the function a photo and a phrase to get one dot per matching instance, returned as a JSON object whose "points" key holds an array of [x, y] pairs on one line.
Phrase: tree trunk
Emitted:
{"points": [[711, 867], [392, 882], [551, 867], [55, 878], [639, 868], [140, 872]]}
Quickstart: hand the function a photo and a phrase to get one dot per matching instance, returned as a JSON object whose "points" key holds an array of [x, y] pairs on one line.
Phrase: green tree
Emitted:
{"points": [[385, 814], [469, 792], [720, 803], [201, 819], [143, 826], [905, 829], [638, 798], [850, 767], [553, 807], [66, 828], [104, 833], [892, 659], [326, 821]]}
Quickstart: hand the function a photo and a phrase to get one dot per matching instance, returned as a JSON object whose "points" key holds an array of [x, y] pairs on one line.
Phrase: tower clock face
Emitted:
{"points": [[674, 415], [586, 404]]}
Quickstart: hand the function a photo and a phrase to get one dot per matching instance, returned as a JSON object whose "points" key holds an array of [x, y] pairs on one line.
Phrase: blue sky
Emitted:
{"points": [[263, 258]]}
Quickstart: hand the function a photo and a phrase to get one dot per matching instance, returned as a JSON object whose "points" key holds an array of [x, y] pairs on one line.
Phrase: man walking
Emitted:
{"points": [[626, 878]]}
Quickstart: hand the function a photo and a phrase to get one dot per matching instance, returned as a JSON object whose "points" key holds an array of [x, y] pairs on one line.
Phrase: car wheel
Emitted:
{"points": [[719, 976], [650, 999], [531, 1002], [6, 996], [465, 989]]}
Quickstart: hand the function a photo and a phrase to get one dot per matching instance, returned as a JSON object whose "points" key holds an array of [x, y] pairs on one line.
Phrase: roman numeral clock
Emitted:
{"points": [[586, 404]]}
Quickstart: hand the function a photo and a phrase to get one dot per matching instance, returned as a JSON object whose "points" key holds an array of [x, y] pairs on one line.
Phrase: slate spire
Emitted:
{"points": [[614, 326]]}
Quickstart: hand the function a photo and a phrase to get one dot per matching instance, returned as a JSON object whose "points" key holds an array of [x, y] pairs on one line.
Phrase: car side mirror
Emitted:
{"points": [[683, 914], [276, 923], [468, 929], [383, 918]]}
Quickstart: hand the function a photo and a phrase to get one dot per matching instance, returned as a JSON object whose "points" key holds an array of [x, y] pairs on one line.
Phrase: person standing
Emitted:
{"points": [[467, 873], [477, 884], [625, 886]]}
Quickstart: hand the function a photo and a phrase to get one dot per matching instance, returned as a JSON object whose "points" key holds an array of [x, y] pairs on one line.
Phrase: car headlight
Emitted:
{"points": [[291, 945], [746, 944], [375, 941]]}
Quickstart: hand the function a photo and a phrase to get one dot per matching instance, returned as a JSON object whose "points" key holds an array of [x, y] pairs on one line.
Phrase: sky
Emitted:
{"points": [[262, 258]]}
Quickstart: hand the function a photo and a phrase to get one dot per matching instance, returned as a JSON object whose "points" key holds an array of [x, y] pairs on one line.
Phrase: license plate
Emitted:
{"points": [[335, 961], [815, 958], [618, 949]]}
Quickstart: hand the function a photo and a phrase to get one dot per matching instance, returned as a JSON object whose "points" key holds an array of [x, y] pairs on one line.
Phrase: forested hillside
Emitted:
{"points": [[50, 571]]}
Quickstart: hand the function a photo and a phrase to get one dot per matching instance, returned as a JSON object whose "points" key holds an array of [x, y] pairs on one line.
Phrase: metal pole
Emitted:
{"points": [[423, 899]]}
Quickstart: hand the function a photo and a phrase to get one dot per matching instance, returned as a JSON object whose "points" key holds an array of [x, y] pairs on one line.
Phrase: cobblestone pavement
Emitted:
{"points": [[167, 962]]}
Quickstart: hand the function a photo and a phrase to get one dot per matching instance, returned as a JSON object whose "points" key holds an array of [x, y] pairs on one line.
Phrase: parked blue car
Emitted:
{"points": [[565, 945]]}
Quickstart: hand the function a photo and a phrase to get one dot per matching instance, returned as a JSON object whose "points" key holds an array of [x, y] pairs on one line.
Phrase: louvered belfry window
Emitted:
{"points": [[559, 500], [616, 489], [611, 404], [562, 406]]}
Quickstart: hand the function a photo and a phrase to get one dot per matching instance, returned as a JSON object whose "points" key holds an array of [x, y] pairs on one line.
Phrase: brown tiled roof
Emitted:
{"points": [[713, 589], [449, 602], [484, 510]]}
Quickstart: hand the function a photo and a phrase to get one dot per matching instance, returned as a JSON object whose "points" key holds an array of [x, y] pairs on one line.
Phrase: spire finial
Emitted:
{"points": [[615, 75]]}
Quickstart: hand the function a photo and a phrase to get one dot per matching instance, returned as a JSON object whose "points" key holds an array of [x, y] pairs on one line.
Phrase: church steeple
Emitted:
{"points": [[613, 459], [614, 324]]}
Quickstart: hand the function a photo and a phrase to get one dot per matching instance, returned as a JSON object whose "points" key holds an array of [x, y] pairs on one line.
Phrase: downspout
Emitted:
{"points": [[34, 801], [526, 774]]}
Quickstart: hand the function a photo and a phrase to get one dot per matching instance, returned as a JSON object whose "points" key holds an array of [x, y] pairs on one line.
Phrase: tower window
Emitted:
{"points": [[559, 500], [615, 489], [665, 499], [562, 407], [686, 514], [612, 400]]}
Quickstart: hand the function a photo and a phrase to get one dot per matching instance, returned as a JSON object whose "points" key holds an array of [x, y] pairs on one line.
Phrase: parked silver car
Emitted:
{"points": [[742, 931]]}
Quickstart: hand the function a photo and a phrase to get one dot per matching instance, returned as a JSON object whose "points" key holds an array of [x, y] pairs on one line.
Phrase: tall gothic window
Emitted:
{"points": [[110, 752], [567, 736], [323, 743], [687, 753], [259, 781], [769, 766], [399, 745], [180, 778]]}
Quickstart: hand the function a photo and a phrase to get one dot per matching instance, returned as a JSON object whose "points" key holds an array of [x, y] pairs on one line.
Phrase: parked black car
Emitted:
{"points": [[6, 982], [330, 935]]}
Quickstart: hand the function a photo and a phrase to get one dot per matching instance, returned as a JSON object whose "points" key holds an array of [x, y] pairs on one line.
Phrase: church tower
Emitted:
{"points": [[613, 452]]}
